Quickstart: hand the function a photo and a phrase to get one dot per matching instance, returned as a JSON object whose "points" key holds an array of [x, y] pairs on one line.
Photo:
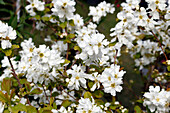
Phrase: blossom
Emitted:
{"points": [[6, 35], [157, 100], [77, 78], [101, 10], [111, 79], [85, 105], [34, 4], [96, 78], [39, 64], [63, 8]]}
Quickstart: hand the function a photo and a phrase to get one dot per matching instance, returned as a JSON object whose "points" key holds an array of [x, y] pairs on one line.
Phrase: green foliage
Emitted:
{"points": [[87, 95], [6, 85], [137, 109], [36, 91], [66, 103]]}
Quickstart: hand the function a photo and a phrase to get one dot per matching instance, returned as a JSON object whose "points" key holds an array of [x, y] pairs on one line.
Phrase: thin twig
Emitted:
{"points": [[13, 72], [28, 101], [49, 26], [67, 56], [15, 75], [115, 57], [160, 45], [45, 94], [5, 18], [73, 63], [88, 22], [68, 93], [62, 74]]}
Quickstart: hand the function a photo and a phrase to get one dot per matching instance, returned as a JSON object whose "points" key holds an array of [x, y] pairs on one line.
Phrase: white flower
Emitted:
{"points": [[39, 64], [5, 44], [85, 105], [153, 4], [78, 77], [101, 10], [6, 35], [63, 8], [78, 20], [142, 17], [1, 107], [40, 6], [111, 79], [96, 78], [157, 100]]}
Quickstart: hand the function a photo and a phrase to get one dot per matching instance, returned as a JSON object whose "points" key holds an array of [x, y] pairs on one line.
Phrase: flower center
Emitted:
{"points": [[99, 44], [109, 78], [113, 85], [140, 17], [157, 2], [116, 76], [31, 49], [41, 55], [77, 77]]}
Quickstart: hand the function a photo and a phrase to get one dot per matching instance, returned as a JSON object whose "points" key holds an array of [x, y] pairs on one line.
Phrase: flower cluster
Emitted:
{"points": [[63, 8], [157, 100], [6, 35], [136, 23], [85, 105], [93, 47], [147, 49], [39, 64], [78, 68], [101, 10], [111, 79], [35, 4]]}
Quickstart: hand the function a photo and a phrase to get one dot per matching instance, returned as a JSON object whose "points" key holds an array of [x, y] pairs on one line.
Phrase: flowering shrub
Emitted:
{"points": [[77, 69]]}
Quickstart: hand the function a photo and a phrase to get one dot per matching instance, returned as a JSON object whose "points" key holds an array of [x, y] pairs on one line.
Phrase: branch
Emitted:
{"points": [[13, 72], [160, 45]]}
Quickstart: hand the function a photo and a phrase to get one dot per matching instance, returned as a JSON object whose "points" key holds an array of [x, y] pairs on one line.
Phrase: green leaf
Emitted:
{"points": [[90, 84], [45, 18], [2, 2], [15, 46], [31, 109], [63, 25], [7, 52], [23, 81], [37, 17], [71, 22], [17, 108], [51, 100], [66, 103], [113, 107], [14, 22], [98, 94], [168, 67], [87, 95], [3, 97], [6, 111], [67, 61], [19, 35], [77, 48], [99, 102], [71, 36], [140, 101], [137, 109], [6, 85], [12, 94], [36, 91]]}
